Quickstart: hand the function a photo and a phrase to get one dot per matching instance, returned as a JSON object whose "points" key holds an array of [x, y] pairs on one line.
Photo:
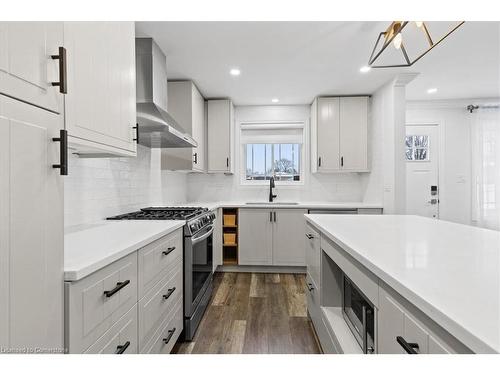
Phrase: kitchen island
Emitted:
{"points": [[443, 277]]}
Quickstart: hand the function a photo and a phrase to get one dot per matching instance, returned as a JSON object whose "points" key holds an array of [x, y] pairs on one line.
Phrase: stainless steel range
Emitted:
{"points": [[198, 256]]}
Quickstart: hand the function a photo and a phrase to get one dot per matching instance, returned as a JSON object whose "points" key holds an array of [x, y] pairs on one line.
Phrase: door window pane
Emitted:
{"points": [[417, 147]]}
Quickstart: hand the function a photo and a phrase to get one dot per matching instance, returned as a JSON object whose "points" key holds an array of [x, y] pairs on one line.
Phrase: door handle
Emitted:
{"points": [[63, 152], [319, 161], [120, 349], [117, 288], [409, 347], [63, 81], [341, 161], [227, 162], [196, 158]]}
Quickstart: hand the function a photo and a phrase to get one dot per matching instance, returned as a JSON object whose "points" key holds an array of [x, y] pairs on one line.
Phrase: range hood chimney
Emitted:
{"points": [[157, 128]]}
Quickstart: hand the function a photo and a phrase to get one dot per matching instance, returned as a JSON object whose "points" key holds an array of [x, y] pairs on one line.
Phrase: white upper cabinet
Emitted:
{"points": [[27, 69], [339, 127], [187, 107], [220, 136], [101, 100]]}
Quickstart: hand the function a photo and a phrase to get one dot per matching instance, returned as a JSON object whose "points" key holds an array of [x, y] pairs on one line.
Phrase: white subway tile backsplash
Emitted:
{"points": [[97, 188]]}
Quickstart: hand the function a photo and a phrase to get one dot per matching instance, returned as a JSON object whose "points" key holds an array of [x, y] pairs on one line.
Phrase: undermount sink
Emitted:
{"points": [[272, 203]]}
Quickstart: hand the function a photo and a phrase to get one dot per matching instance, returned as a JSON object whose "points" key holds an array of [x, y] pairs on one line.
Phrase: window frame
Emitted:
{"points": [[302, 151]]}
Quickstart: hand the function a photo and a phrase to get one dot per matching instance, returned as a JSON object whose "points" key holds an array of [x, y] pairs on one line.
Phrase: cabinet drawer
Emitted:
{"points": [[159, 302], [313, 253], [168, 333], [156, 257], [121, 338], [95, 303]]}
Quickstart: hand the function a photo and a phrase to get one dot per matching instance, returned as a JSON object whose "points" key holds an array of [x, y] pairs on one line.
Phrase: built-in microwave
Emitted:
{"points": [[359, 314]]}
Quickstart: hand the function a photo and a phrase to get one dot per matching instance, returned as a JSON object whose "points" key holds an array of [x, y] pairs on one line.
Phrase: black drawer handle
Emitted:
{"points": [[169, 293], [120, 285], [309, 287], [168, 251], [136, 127], [170, 334], [409, 347], [120, 349], [310, 236]]}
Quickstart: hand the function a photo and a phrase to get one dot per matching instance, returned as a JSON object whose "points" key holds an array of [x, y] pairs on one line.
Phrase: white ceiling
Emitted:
{"points": [[295, 61]]}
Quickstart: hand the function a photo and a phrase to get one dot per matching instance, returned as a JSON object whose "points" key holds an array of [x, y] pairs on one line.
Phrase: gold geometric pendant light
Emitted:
{"points": [[394, 35]]}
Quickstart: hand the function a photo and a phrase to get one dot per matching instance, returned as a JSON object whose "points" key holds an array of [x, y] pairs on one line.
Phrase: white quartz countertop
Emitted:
{"points": [[449, 271], [91, 247]]}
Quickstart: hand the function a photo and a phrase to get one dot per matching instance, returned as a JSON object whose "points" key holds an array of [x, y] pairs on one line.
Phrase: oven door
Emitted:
{"points": [[198, 267]]}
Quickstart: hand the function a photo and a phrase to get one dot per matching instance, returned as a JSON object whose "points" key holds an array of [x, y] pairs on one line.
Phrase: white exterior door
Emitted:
{"points": [[288, 237], [255, 236], [26, 67], [31, 227], [422, 170]]}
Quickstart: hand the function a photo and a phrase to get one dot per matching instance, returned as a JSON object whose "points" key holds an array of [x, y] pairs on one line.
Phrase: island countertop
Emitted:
{"points": [[91, 247], [449, 271]]}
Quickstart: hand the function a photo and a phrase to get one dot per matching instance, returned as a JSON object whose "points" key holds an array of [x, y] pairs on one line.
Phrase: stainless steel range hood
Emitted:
{"points": [[157, 129]]}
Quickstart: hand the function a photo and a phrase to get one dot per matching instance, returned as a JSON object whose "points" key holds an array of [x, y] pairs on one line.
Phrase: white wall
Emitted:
{"points": [[317, 187], [97, 188], [455, 153]]}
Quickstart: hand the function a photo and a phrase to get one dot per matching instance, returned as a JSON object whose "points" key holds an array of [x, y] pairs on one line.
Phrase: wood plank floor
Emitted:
{"points": [[255, 313]]}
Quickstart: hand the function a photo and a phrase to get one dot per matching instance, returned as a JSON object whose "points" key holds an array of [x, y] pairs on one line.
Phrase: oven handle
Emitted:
{"points": [[196, 240]]}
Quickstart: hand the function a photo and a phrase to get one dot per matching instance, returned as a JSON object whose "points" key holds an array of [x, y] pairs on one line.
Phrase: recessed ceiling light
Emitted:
{"points": [[275, 100], [432, 91], [235, 72], [365, 69]]}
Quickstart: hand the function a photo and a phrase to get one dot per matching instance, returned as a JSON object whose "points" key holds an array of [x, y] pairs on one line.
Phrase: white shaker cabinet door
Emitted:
{"points": [[220, 133], [27, 69], [101, 100], [353, 133], [328, 134], [255, 237], [288, 237], [31, 228]]}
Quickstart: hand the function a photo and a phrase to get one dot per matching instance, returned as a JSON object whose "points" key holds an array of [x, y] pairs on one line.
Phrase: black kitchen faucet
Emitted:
{"points": [[271, 186]]}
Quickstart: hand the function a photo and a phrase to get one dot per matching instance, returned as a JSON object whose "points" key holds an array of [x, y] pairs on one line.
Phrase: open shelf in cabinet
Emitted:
{"points": [[230, 236]]}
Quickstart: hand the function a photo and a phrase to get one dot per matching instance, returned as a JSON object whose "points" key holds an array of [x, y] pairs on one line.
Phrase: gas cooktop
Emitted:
{"points": [[162, 213]]}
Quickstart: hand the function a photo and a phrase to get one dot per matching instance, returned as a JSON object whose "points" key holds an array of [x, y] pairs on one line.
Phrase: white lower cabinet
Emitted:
{"points": [[398, 318], [129, 305], [313, 253], [271, 237], [121, 338]]}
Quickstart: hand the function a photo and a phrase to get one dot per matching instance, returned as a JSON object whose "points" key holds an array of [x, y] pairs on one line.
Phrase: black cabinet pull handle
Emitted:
{"points": [[196, 158], [271, 217], [409, 347], [274, 216], [120, 349], [63, 152], [341, 161], [120, 285], [168, 251], [169, 293], [136, 127], [227, 162], [310, 236], [319, 161], [63, 82], [170, 334], [309, 287]]}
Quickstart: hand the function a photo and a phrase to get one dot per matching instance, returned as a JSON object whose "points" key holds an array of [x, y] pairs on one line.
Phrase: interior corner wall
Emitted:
{"points": [[386, 182]]}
